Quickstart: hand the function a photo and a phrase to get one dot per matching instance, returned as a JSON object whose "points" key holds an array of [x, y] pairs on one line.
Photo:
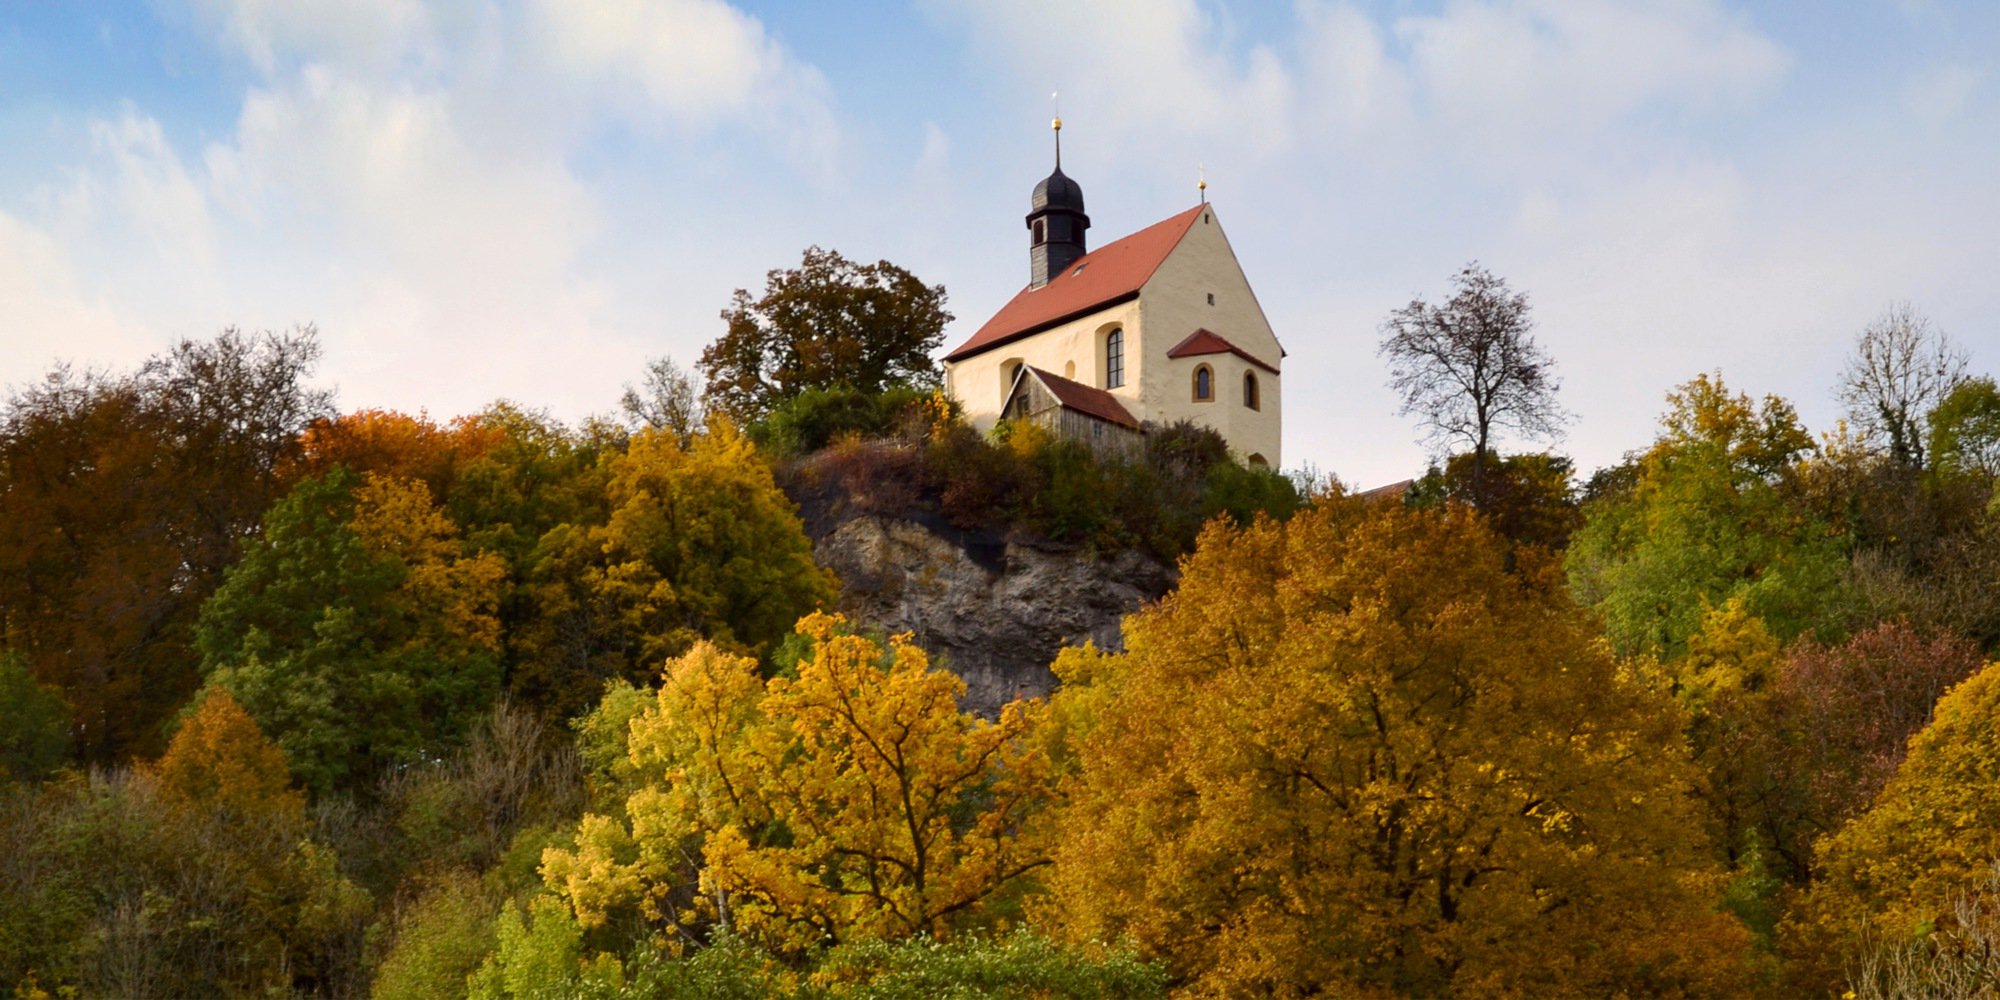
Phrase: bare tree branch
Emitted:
{"points": [[1471, 366], [1902, 368]]}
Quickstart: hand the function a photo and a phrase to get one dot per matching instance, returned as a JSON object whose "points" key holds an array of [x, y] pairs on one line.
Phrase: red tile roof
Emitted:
{"points": [[1086, 399], [1208, 342], [1106, 276]]}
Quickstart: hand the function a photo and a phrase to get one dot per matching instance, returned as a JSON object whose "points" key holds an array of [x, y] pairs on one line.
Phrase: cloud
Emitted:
{"points": [[372, 35], [1522, 70], [46, 314], [1142, 72]]}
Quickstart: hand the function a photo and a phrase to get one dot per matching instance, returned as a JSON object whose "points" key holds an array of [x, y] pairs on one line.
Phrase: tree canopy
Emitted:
{"points": [[830, 323], [1353, 754]]}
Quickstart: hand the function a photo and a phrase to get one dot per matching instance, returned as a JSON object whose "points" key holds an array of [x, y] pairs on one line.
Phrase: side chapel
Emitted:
{"points": [[1155, 328]]}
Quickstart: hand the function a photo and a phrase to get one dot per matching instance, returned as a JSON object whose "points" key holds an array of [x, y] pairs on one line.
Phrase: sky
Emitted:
{"points": [[527, 199]]}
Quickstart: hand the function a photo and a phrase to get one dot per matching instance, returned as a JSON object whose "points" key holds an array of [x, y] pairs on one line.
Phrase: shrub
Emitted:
{"points": [[815, 418]]}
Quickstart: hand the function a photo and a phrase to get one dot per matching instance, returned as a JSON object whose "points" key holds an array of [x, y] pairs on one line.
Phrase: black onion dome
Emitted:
{"points": [[1057, 191]]}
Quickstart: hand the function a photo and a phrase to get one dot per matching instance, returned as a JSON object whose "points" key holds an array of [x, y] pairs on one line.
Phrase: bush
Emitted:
{"points": [[35, 739], [814, 418]]}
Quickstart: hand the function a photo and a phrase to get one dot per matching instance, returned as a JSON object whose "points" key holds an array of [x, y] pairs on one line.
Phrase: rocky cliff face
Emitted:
{"points": [[993, 610]]}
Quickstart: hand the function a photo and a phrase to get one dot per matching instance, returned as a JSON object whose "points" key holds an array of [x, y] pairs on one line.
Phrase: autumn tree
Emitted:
{"points": [[193, 875], [828, 323], [1470, 366], [123, 498], [1931, 833], [1902, 367], [219, 759], [396, 444], [357, 629], [1355, 754], [853, 801], [1706, 517], [697, 543]]}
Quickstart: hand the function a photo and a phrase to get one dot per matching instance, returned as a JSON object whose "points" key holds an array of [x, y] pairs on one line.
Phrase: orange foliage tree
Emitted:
{"points": [[1353, 754]]}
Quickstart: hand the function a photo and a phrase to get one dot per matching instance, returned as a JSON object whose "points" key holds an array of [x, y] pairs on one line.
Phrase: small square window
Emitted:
{"points": [[1211, 298]]}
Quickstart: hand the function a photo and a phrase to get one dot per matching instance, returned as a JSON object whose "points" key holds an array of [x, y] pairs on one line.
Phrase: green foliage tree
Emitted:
{"points": [[123, 498], [35, 740], [356, 628], [1529, 497], [1707, 518], [829, 323], [192, 876], [1965, 430], [1355, 754], [699, 543]]}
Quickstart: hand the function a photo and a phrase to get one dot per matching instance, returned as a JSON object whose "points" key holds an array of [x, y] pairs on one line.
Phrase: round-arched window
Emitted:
{"points": [[1250, 391], [1204, 384], [1114, 358]]}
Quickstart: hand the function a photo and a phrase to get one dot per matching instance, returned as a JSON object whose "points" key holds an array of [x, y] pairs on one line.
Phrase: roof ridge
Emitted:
{"points": [[1125, 265]]}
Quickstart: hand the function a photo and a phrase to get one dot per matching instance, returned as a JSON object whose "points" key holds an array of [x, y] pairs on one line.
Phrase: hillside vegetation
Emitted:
{"points": [[307, 702]]}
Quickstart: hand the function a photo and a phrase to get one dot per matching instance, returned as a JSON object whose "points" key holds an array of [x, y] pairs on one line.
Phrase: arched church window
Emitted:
{"points": [[1114, 358], [1250, 391], [1204, 384], [1041, 233]]}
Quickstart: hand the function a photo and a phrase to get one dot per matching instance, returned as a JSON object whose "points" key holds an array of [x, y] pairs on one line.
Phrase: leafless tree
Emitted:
{"points": [[1902, 367], [1471, 366], [669, 400]]}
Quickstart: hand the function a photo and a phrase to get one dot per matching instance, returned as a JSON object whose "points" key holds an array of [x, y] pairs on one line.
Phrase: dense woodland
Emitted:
{"points": [[302, 701]]}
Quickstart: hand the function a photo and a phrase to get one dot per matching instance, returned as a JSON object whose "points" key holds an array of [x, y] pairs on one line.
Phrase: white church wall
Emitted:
{"points": [[979, 383], [1176, 302]]}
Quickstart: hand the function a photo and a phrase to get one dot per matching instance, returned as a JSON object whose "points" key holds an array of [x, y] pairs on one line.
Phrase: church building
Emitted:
{"points": [[1155, 328]]}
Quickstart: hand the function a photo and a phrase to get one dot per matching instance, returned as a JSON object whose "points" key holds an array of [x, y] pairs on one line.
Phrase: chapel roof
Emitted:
{"points": [[1088, 400], [1205, 341], [1110, 274]]}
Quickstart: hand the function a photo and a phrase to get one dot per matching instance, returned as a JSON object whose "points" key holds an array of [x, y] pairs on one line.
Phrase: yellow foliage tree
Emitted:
{"points": [[850, 802], [699, 544], [1353, 754], [1933, 833]]}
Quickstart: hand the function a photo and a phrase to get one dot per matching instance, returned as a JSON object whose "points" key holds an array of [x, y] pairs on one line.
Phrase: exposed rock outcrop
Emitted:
{"points": [[992, 609]]}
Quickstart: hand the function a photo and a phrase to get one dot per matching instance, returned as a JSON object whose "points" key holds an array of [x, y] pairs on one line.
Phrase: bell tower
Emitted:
{"points": [[1055, 223]]}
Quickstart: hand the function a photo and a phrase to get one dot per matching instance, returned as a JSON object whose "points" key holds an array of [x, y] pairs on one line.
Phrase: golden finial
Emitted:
{"points": [[1056, 123], [1202, 183]]}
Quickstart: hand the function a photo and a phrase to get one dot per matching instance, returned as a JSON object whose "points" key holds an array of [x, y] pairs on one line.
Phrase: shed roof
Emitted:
{"points": [[1087, 400]]}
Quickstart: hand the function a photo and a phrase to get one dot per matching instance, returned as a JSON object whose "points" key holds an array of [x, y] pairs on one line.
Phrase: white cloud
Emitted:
{"points": [[1139, 71], [702, 63], [1509, 75], [372, 35], [46, 314]]}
